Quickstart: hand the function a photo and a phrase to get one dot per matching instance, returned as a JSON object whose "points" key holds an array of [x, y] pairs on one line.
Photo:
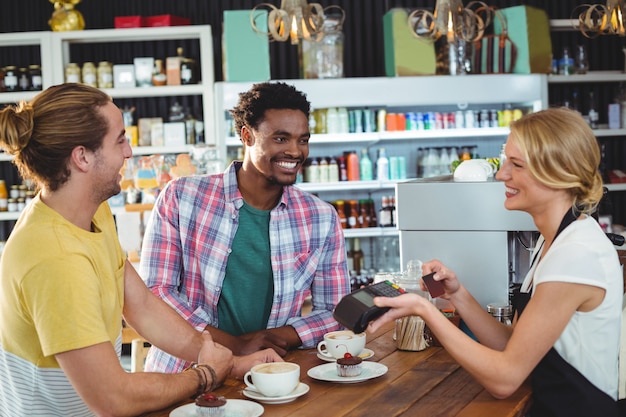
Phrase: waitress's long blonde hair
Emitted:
{"points": [[563, 153]]}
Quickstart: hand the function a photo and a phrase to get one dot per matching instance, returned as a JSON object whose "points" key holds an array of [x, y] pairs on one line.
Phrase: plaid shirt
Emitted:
{"points": [[188, 239]]}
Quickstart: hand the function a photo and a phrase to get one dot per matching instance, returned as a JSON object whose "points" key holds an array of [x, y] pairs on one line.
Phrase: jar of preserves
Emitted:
{"points": [[89, 74], [10, 78], [34, 74], [72, 73], [105, 74]]}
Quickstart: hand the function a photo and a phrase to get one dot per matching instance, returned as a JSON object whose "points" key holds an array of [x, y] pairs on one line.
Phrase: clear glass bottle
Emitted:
{"points": [[593, 111], [582, 63]]}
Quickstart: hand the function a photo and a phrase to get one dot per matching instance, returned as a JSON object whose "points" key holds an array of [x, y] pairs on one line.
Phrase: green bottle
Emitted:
{"points": [[366, 166]]}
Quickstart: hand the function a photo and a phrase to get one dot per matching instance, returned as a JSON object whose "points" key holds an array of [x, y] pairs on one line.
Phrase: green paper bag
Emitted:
{"points": [[405, 55], [529, 29]]}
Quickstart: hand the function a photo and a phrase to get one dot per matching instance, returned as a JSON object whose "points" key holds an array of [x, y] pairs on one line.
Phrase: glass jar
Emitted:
{"points": [[105, 74], [323, 57], [89, 74], [10, 78], [23, 79], [72, 73], [34, 74]]}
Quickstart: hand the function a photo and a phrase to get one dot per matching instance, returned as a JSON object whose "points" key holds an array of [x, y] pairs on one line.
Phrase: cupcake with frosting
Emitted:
{"points": [[349, 365], [210, 405]]}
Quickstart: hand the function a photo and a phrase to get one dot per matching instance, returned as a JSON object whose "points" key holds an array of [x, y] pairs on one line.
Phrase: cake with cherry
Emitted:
{"points": [[210, 405]]}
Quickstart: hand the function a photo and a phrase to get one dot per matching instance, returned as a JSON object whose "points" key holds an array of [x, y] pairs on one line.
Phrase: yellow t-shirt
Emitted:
{"points": [[61, 288]]}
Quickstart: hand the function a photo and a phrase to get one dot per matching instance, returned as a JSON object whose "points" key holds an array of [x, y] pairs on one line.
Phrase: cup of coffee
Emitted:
{"points": [[274, 379], [336, 344]]}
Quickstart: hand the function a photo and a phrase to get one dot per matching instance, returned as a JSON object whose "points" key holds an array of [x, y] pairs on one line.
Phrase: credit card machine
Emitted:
{"points": [[357, 309]]}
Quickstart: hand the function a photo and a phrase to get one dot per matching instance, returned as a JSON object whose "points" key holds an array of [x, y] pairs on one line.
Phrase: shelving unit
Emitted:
{"points": [[399, 94], [57, 50]]}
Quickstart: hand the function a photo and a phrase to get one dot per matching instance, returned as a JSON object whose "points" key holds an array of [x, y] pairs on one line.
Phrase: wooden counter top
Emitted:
{"points": [[427, 383]]}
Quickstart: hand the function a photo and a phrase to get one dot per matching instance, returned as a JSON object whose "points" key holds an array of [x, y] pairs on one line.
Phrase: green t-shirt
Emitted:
{"points": [[248, 289]]}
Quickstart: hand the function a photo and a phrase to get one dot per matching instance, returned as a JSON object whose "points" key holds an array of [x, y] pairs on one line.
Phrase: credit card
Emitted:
{"points": [[435, 288]]}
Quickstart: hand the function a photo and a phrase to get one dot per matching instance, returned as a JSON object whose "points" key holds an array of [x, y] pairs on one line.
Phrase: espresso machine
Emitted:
{"points": [[465, 226]]}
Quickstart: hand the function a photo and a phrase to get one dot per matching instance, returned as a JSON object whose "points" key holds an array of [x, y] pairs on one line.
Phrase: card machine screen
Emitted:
{"points": [[357, 309]]}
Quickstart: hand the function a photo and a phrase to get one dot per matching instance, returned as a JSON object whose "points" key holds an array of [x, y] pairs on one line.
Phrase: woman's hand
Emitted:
{"points": [[446, 276], [401, 306]]}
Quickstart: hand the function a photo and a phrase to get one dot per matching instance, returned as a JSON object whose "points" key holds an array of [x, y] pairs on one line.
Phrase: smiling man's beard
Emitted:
{"points": [[274, 181]]}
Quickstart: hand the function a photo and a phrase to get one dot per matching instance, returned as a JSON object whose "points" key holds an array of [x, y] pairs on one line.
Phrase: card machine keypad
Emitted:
{"points": [[357, 309]]}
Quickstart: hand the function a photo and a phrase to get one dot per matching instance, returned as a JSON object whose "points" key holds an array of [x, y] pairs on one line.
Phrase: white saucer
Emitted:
{"points": [[234, 408], [328, 372], [300, 390], [365, 354]]}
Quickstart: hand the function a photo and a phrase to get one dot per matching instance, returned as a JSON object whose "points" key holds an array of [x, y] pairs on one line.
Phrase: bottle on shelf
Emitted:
{"points": [[343, 168], [364, 213], [357, 256], [341, 212], [4, 196], [592, 115], [332, 121], [349, 255], [582, 63], [333, 170], [324, 172], [566, 63], [392, 209], [353, 166], [353, 217], [158, 73], [371, 208], [313, 171], [105, 74], [384, 214], [382, 166], [342, 116], [366, 166]]}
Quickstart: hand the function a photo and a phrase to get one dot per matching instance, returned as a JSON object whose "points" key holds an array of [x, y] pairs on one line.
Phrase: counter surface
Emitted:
{"points": [[427, 383]]}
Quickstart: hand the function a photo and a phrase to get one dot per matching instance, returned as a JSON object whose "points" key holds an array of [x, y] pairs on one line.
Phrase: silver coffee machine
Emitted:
{"points": [[465, 225]]}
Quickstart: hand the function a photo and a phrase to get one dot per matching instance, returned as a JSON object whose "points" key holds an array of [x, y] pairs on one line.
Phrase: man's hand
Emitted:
{"points": [[218, 357], [281, 339], [244, 363]]}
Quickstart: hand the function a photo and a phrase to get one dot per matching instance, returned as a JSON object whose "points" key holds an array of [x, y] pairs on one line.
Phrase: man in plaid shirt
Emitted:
{"points": [[237, 253]]}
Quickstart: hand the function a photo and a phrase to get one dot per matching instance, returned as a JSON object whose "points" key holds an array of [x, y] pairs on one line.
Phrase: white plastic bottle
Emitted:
{"points": [[382, 166]]}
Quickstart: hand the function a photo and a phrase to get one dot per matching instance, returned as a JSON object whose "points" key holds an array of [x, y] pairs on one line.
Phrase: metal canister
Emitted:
{"points": [[502, 312]]}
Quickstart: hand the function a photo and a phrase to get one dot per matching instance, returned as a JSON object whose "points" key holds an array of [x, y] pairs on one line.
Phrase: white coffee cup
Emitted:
{"points": [[336, 344], [274, 379], [474, 170]]}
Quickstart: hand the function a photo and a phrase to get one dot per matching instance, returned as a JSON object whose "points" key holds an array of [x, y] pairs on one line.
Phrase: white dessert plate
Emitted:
{"points": [[234, 408], [300, 390], [328, 372], [365, 354]]}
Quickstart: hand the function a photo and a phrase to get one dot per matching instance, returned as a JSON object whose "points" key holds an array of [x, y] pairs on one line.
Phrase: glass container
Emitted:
{"points": [[322, 57]]}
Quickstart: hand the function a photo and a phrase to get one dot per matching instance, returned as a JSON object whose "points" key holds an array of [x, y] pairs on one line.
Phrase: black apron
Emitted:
{"points": [[559, 390]]}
